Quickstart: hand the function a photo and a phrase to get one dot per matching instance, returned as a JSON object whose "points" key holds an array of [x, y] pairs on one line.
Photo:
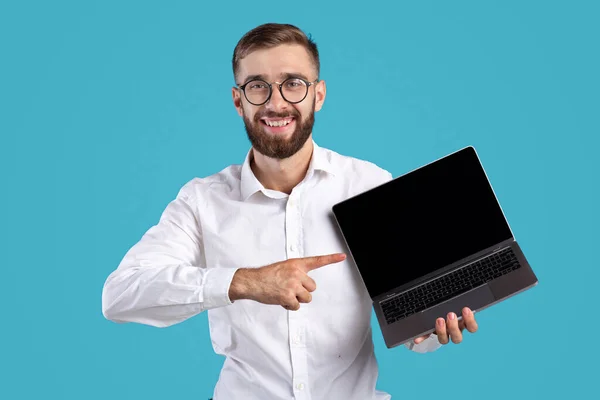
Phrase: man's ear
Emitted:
{"points": [[237, 100], [320, 92]]}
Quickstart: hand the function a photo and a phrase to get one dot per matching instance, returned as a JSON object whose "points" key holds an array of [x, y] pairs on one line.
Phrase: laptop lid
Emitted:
{"points": [[422, 221]]}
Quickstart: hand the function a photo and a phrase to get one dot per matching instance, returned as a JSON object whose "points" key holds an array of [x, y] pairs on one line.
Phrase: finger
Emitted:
{"points": [[311, 263], [291, 305], [453, 329], [421, 338], [304, 296], [469, 320], [289, 301], [440, 329], [309, 283]]}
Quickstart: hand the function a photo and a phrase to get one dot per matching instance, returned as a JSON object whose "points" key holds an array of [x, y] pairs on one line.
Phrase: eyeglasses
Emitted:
{"points": [[293, 90]]}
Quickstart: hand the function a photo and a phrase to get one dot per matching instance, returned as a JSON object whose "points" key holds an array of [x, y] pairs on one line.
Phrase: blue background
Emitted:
{"points": [[108, 108]]}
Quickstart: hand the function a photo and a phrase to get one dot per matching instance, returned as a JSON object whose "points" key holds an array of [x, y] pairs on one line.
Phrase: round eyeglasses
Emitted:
{"points": [[293, 90]]}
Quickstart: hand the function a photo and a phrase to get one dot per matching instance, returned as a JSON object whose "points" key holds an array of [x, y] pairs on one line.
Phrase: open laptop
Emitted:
{"points": [[432, 241]]}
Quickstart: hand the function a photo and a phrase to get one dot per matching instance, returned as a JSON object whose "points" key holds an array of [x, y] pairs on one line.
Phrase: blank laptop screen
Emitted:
{"points": [[422, 221]]}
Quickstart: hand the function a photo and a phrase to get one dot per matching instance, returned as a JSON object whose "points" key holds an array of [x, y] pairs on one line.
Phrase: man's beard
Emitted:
{"points": [[274, 146]]}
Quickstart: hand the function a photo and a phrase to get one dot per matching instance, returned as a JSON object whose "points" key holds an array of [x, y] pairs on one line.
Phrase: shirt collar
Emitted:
{"points": [[250, 185], [321, 160]]}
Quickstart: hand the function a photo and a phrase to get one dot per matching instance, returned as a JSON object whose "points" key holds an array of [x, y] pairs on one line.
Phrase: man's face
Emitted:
{"points": [[278, 129]]}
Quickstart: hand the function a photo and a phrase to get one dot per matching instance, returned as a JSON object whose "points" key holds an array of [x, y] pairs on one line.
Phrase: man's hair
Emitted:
{"points": [[270, 35]]}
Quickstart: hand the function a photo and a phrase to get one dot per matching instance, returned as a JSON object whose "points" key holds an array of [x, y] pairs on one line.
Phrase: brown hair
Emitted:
{"points": [[270, 35]]}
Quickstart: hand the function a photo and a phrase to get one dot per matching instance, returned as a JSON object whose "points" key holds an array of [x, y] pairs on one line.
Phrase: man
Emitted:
{"points": [[255, 246]]}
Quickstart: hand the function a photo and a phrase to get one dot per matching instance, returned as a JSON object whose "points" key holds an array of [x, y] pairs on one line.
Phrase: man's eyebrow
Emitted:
{"points": [[283, 76], [253, 77], [286, 75]]}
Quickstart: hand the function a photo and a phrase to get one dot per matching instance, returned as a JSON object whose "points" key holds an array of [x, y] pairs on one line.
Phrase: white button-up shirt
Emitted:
{"points": [[184, 265]]}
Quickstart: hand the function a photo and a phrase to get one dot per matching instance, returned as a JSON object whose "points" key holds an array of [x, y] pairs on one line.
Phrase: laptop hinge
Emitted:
{"points": [[438, 274]]}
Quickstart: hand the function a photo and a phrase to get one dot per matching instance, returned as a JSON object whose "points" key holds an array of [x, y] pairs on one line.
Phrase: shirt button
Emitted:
{"points": [[300, 386], [291, 203], [292, 247]]}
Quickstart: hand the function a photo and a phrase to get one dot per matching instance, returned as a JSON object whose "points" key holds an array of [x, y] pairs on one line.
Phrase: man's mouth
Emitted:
{"points": [[277, 122]]}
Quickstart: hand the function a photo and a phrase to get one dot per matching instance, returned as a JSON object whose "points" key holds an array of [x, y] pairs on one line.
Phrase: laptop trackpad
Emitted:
{"points": [[475, 300]]}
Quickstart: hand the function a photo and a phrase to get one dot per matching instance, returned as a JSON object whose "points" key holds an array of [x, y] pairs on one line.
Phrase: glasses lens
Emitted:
{"points": [[257, 91], [294, 90]]}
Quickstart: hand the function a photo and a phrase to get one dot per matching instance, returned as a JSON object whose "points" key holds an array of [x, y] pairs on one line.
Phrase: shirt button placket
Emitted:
{"points": [[292, 228], [296, 319]]}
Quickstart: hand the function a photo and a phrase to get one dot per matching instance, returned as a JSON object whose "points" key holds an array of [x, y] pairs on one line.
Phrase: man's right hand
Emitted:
{"points": [[283, 283]]}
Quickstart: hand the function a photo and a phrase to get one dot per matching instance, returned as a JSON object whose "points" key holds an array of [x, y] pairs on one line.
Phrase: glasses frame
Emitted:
{"points": [[280, 86]]}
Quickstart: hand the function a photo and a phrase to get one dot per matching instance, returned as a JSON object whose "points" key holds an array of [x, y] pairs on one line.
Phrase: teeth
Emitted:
{"points": [[278, 123]]}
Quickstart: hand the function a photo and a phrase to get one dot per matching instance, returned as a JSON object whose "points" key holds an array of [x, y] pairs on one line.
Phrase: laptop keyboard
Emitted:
{"points": [[450, 285]]}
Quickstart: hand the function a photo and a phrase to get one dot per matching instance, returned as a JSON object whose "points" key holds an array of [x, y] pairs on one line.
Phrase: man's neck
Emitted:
{"points": [[282, 175]]}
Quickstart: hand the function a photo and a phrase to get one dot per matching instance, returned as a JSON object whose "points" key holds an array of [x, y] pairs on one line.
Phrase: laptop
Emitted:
{"points": [[432, 241]]}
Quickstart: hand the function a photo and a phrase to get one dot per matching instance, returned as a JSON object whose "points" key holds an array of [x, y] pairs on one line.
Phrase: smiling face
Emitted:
{"points": [[278, 129]]}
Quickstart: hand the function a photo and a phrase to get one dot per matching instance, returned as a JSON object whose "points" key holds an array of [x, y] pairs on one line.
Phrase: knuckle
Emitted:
{"points": [[296, 273], [284, 265], [292, 265], [287, 299]]}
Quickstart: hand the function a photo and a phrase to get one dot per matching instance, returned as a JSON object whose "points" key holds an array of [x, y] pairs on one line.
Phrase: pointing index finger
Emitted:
{"points": [[311, 263]]}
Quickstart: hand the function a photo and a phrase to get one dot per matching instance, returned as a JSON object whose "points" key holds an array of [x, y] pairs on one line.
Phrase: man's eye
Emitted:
{"points": [[294, 83], [256, 86]]}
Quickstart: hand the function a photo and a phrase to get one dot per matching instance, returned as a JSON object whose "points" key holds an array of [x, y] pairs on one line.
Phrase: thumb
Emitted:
{"points": [[420, 339]]}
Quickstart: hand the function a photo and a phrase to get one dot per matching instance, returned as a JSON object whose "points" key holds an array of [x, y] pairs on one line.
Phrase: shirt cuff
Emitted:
{"points": [[426, 346], [217, 282]]}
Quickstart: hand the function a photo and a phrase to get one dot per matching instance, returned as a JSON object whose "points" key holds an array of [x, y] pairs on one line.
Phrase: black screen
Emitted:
{"points": [[422, 221]]}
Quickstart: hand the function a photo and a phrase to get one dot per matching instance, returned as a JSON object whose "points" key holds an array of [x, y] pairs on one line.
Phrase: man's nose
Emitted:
{"points": [[276, 102]]}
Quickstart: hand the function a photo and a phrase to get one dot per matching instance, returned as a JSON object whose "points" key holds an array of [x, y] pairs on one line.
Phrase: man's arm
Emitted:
{"points": [[163, 279]]}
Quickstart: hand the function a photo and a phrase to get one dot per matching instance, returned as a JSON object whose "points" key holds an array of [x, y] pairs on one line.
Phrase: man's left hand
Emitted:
{"points": [[452, 328]]}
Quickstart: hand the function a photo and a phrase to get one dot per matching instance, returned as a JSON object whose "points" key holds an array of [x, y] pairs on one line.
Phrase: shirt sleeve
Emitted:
{"points": [[426, 346], [163, 280]]}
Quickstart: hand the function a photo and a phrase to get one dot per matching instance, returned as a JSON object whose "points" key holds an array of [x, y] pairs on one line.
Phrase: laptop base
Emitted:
{"points": [[477, 299]]}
